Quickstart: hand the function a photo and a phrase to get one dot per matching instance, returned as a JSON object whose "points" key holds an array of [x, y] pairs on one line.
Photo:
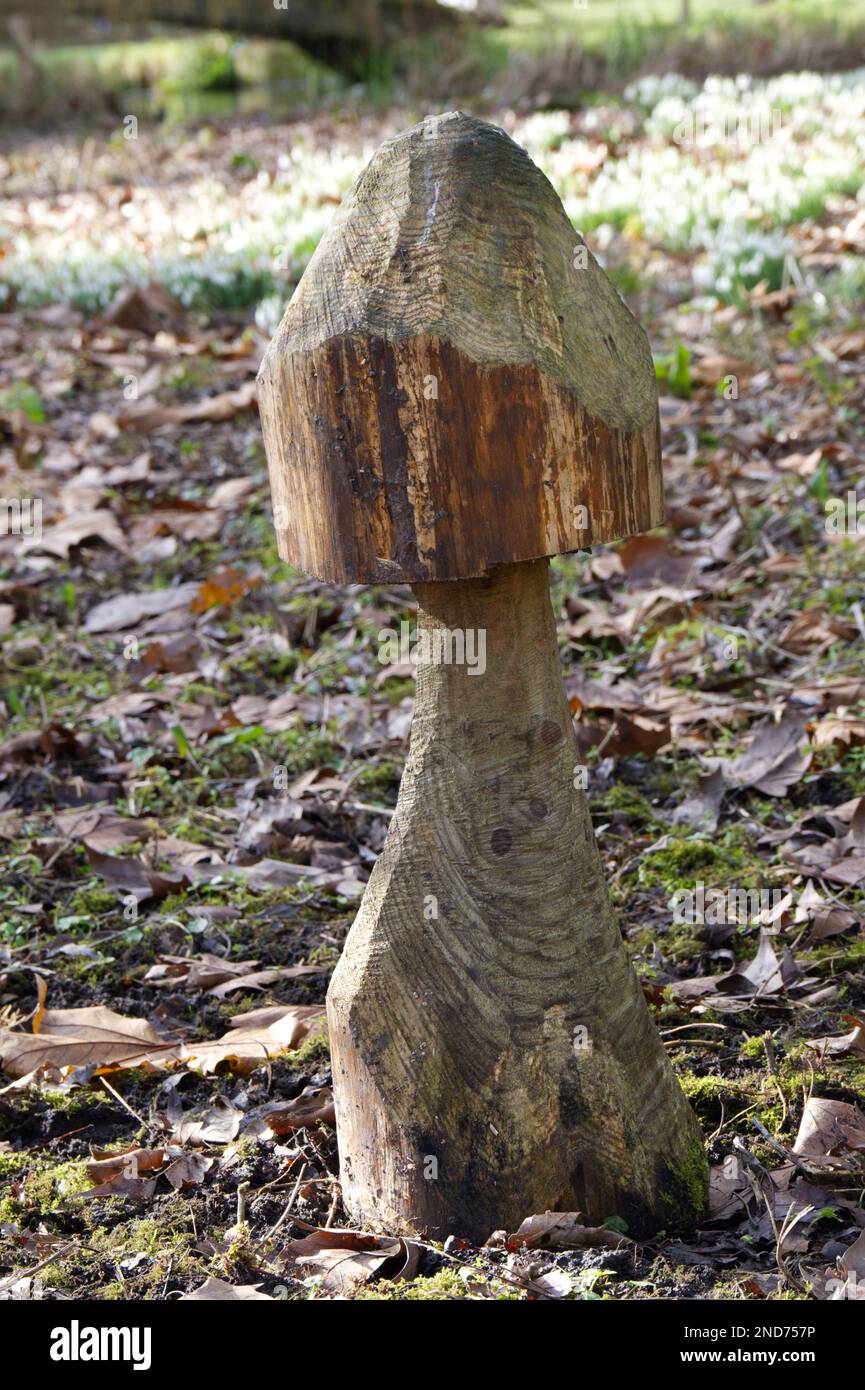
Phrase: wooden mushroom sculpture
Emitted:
{"points": [[456, 393]]}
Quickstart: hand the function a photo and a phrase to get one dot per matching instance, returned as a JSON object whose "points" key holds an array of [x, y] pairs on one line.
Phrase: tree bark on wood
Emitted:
{"points": [[455, 383], [455, 392], [493, 1053]]}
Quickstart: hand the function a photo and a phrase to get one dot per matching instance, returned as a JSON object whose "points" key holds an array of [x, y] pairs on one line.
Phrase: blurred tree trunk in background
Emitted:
{"points": [[314, 24]]}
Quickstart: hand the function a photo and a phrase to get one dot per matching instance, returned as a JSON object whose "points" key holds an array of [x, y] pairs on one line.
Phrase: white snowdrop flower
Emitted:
{"points": [[543, 130], [269, 312]]}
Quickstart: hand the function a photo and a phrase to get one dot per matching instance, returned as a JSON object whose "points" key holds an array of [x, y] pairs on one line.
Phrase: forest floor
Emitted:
{"points": [[201, 750]]}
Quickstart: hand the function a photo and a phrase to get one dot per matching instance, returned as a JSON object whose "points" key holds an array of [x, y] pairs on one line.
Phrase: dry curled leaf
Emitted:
{"points": [[130, 1163], [772, 762], [348, 1259], [143, 309], [815, 627], [850, 1044], [225, 586], [831, 1134], [133, 877], [839, 730], [104, 1040], [187, 1170], [149, 415], [252, 1040], [314, 1106], [216, 1123], [127, 610], [219, 977], [196, 972], [563, 1230], [763, 977]]}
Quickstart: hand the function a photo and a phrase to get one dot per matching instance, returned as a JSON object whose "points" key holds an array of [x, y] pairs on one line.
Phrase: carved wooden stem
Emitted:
{"points": [[493, 1054]]}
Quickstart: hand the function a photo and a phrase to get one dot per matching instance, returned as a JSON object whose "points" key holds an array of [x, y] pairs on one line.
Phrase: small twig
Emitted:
{"points": [[833, 898], [289, 1204], [277, 1183], [790, 1220], [69, 1133], [28, 1273], [332, 1212], [722, 1126], [625, 868], [242, 1195], [118, 1097], [759, 1177], [611, 733], [787, 1155], [769, 1049], [366, 806], [757, 1174], [686, 1027], [347, 785]]}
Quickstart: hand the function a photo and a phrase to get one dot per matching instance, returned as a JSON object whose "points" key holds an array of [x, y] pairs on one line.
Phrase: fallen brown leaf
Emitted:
{"points": [[218, 1291], [314, 1106], [54, 741], [847, 345], [130, 1163], [765, 976], [101, 1039], [831, 1132], [89, 1037], [839, 730], [563, 1230], [850, 1044], [133, 878], [220, 977], [653, 559], [62, 536], [187, 1170], [225, 586], [256, 1036], [815, 627], [349, 1259], [772, 762], [217, 1123], [127, 610], [148, 415]]}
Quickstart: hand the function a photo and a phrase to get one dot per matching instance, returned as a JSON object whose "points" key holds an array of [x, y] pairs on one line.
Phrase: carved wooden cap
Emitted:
{"points": [[455, 384]]}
